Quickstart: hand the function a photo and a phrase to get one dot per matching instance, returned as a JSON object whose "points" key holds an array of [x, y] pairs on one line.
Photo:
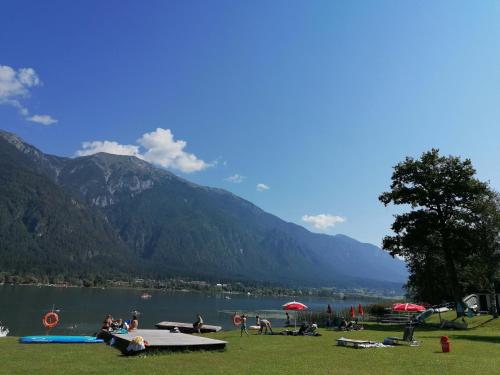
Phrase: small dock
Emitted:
{"points": [[187, 327], [159, 340]]}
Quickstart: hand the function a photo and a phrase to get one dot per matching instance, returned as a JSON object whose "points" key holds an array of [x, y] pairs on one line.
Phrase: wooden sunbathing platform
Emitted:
{"points": [[187, 327], [350, 342], [159, 339]]}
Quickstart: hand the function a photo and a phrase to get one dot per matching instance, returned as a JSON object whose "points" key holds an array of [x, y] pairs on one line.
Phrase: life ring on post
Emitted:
{"points": [[50, 320], [236, 319]]}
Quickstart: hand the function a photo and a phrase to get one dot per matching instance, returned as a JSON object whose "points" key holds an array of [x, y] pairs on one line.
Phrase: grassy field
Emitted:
{"points": [[473, 351]]}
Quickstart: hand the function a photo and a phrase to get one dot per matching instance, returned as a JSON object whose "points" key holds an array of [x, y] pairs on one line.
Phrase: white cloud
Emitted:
{"points": [[157, 147], [236, 178], [163, 150], [90, 148], [262, 187], [42, 119], [322, 221], [15, 86]]}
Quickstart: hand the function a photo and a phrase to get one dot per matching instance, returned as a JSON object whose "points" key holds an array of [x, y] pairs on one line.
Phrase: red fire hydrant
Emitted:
{"points": [[445, 344]]}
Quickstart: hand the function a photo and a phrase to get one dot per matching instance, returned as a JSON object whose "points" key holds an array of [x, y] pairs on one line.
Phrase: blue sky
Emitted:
{"points": [[316, 100]]}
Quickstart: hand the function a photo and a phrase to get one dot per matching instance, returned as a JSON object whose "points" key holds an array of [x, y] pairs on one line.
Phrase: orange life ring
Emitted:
{"points": [[50, 320], [236, 320]]}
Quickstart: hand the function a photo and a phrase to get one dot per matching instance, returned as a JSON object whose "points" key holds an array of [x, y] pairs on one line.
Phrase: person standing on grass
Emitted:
{"points": [[265, 324], [243, 326]]}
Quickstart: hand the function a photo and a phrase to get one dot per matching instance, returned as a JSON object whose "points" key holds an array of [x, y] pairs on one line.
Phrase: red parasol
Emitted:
{"points": [[360, 310], [407, 307], [352, 313], [329, 309], [294, 305]]}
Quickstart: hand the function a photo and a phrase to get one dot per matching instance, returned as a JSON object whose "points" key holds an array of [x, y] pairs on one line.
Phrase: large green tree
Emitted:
{"points": [[484, 237], [439, 234]]}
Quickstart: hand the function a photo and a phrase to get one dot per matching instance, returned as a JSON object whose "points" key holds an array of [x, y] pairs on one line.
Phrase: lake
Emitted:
{"points": [[83, 309]]}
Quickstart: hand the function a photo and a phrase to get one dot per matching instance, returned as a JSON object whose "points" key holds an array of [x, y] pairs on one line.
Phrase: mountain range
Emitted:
{"points": [[112, 216]]}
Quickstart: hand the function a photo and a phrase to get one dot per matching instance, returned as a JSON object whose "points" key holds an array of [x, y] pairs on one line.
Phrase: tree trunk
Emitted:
{"points": [[493, 301], [451, 269], [456, 290]]}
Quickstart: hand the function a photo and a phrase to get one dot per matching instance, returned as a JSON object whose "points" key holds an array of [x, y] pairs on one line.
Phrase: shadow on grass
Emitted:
{"points": [[483, 323], [490, 339]]}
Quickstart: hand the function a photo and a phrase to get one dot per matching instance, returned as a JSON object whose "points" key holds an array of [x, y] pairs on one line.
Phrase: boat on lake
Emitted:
{"points": [[146, 295]]}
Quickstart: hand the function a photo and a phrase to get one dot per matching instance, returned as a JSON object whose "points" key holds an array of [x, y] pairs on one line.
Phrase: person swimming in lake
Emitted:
{"points": [[134, 323], [198, 323], [243, 326]]}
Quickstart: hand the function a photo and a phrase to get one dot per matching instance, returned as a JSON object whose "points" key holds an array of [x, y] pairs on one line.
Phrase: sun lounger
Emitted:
{"points": [[354, 343], [407, 337], [420, 318], [360, 344]]}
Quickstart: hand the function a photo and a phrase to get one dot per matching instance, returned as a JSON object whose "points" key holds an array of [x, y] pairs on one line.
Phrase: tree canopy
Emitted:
{"points": [[450, 229]]}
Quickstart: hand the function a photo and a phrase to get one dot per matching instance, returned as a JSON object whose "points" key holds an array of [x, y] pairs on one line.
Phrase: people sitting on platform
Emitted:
{"points": [[119, 324], [116, 324], [134, 323], [123, 324], [198, 323], [107, 323]]}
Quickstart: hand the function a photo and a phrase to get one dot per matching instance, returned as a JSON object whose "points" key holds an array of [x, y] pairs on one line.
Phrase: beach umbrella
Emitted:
{"points": [[294, 306], [352, 313], [407, 307], [360, 310]]}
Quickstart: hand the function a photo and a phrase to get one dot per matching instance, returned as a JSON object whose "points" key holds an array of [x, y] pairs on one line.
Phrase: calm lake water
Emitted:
{"points": [[83, 309]]}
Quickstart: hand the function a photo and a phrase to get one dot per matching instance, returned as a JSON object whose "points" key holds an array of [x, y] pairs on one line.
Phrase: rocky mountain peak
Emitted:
{"points": [[46, 164]]}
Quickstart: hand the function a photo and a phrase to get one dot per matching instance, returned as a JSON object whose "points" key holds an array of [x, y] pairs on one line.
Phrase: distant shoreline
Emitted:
{"points": [[256, 291]]}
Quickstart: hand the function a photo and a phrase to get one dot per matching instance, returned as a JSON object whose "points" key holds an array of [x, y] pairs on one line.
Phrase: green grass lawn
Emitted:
{"points": [[475, 350]]}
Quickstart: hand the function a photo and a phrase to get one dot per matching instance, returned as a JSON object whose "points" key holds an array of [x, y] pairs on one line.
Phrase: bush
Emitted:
{"points": [[377, 309]]}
